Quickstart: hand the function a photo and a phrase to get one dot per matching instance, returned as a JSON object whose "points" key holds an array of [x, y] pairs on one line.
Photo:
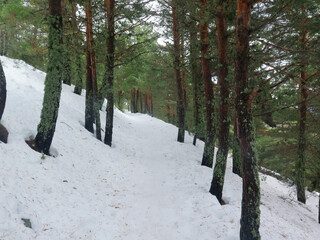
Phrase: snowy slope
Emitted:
{"points": [[147, 186]]}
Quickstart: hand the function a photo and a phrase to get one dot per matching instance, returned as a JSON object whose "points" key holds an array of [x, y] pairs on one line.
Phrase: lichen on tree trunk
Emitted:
{"points": [[52, 90], [224, 120], [250, 211]]}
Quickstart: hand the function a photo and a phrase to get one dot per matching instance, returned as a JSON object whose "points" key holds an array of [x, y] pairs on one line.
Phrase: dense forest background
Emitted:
{"points": [[150, 57]]}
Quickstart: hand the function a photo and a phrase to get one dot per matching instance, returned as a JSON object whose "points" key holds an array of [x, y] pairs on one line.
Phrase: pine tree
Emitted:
{"points": [[109, 68], [250, 212], [77, 52], [177, 69], [52, 91], [208, 153], [224, 119]]}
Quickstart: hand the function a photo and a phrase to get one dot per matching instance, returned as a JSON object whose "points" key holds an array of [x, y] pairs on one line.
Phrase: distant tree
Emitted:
{"points": [[52, 91]]}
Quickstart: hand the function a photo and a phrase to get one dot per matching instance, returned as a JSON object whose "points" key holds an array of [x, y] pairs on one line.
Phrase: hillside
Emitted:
{"points": [[147, 186]]}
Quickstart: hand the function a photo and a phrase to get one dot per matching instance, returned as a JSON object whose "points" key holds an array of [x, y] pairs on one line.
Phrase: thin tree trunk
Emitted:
{"points": [[151, 105], [224, 119], [3, 91], [93, 71], [194, 56], [110, 6], [77, 51], [208, 153], [89, 111], [177, 70], [236, 151], [250, 212], [52, 90], [141, 106], [300, 165]]}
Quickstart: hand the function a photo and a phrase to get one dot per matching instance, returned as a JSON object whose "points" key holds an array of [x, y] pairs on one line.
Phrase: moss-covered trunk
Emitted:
{"points": [[208, 153], [224, 120], [67, 41], [52, 90], [177, 71], [109, 74], [250, 211], [3, 91]]}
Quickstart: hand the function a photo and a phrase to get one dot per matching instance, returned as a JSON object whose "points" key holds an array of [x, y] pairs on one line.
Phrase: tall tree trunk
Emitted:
{"points": [[208, 153], [236, 151], [77, 51], [300, 165], [109, 75], [52, 90], [196, 75], [224, 119], [177, 70], [89, 111], [93, 71], [250, 212]]}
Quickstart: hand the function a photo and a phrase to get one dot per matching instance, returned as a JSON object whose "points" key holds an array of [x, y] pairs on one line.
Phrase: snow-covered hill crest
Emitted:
{"points": [[147, 186]]}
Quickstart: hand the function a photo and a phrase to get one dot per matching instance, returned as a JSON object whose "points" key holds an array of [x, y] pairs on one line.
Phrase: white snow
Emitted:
{"points": [[147, 186]]}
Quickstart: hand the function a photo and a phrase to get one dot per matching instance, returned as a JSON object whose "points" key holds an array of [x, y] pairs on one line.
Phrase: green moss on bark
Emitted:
{"points": [[52, 90]]}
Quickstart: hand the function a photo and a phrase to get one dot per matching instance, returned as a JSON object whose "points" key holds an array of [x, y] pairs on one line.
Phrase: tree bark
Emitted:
{"points": [[52, 90], [77, 51], [3, 91], [236, 151], [66, 73], [196, 75], [177, 70], [224, 120], [89, 111], [300, 165], [109, 75], [208, 153], [250, 212]]}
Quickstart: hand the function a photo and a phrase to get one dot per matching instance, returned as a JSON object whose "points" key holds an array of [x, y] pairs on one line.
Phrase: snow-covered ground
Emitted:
{"points": [[146, 187]]}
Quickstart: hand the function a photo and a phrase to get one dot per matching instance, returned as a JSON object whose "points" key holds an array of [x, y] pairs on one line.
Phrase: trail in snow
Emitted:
{"points": [[147, 186]]}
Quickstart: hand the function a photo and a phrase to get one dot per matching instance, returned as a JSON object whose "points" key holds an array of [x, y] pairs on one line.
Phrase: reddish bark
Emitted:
{"points": [[250, 212]]}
